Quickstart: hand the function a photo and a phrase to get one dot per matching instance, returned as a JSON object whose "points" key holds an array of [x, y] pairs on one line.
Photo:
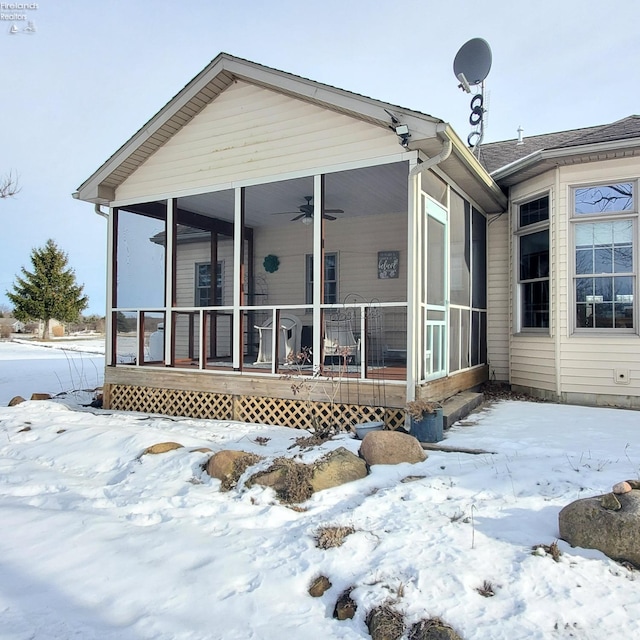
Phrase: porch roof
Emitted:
{"points": [[427, 132]]}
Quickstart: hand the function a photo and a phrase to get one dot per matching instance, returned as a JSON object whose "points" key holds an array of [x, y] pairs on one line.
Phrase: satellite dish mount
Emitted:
{"points": [[471, 66]]}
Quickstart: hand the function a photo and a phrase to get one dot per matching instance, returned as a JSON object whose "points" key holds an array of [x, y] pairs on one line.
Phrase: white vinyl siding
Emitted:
{"points": [[250, 132], [498, 306]]}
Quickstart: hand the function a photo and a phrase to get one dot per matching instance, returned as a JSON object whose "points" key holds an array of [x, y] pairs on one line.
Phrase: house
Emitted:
{"points": [[11, 325], [563, 265], [281, 250]]}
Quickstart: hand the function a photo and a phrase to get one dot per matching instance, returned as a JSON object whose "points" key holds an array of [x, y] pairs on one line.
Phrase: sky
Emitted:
{"points": [[94, 72], [100, 542]]}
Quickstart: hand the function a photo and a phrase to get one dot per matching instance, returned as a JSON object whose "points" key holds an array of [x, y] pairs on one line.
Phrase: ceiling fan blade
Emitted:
{"points": [[283, 213], [328, 217], [302, 215], [333, 211]]}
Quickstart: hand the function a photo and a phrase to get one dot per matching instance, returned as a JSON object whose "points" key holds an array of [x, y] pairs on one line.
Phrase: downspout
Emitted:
{"points": [[412, 290], [555, 278], [96, 208]]}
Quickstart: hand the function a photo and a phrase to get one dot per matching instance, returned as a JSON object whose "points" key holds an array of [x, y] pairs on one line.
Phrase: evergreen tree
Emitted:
{"points": [[49, 291]]}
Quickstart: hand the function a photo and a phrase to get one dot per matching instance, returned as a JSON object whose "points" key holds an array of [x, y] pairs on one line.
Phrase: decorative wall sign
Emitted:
{"points": [[271, 263], [388, 263]]}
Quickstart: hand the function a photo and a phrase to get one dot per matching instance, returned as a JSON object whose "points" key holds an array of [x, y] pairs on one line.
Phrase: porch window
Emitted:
{"points": [[533, 273], [604, 229], [203, 285], [330, 278]]}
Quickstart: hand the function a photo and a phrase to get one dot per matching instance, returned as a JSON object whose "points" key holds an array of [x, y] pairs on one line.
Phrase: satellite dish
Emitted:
{"points": [[472, 62]]}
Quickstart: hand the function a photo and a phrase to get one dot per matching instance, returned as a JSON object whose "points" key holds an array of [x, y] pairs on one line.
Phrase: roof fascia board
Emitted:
{"points": [[563, 152], [331, 96]]}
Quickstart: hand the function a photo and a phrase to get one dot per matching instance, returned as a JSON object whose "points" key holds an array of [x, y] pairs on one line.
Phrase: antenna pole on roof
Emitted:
{"points": [[471, 66]]}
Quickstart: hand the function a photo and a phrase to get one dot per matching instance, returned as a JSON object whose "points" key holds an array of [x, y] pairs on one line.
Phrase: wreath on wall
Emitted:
{"points": [[271, 263]]}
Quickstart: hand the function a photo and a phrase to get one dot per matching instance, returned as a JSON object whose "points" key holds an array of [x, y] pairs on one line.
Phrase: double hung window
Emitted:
{"points": [[203, 285], [533, 267], [604, 225]]}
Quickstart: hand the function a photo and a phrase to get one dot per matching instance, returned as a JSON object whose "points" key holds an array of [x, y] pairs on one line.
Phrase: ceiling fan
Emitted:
{"points": [[306, 212]]}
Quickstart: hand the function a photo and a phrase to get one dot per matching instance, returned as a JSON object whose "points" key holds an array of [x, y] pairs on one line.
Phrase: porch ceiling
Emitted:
{"points": [[374, 190]]}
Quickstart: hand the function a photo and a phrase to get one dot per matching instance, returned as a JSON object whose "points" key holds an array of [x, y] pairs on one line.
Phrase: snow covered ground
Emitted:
{"points": [[99, 542]]}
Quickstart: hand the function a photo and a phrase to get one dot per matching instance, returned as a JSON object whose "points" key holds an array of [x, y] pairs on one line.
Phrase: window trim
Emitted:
{"points": [[519, 233]]}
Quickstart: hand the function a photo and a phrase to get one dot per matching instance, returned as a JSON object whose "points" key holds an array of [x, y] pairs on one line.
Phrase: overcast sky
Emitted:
{"points": [[95, 71]]}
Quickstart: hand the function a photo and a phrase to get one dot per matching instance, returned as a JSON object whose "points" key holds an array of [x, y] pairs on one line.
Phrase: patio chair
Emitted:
{"points": [[289, 344], [339, 341]]}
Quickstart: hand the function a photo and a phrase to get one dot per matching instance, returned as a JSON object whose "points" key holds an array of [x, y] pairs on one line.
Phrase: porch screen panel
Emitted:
{"points": [[141, 259], [460, 250]]}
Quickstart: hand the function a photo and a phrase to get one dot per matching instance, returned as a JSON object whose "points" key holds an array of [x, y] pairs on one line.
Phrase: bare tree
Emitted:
{"points": [[9, 186]]}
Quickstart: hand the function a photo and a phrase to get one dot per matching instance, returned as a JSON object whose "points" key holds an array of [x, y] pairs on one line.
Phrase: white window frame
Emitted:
{"points": [[520, 232], [576, 219]]}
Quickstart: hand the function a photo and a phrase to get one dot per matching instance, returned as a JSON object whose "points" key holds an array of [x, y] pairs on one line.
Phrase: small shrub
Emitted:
{"points": [[328, 537], [551, 549]]}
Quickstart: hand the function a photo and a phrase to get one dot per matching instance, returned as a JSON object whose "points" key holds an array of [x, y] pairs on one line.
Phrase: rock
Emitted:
{"points": [[390, 447], [161, 447], [27, 428], [432, 629], [385, 623], [345, 606], [40, 396], [15, 400], [609, 501], [634, 484], [621, 487], [319, 586], [586, 523], [201, 450], [336, 468], [229, 465]]}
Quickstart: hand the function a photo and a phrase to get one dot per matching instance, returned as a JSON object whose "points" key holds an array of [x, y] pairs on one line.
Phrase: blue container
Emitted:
{"points": [[429, 428]]}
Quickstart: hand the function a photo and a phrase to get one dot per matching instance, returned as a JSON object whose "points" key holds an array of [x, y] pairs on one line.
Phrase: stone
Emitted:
{"points": [[432, 629], [634, 484], [390, 447], [40, 396], [228, 465], [16, 400], [161, 447], [609, 501], [385, 623], [201, 450], [318, 586], [336, 468], [621, 487], [345, 606], [586, 523]]}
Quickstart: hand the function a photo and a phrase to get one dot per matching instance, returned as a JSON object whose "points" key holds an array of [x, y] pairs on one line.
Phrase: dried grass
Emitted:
{"points": [[328, 537]]}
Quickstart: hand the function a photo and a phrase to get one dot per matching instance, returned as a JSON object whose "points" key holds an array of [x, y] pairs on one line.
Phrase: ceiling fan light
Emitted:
{"points": [[307, 220]]}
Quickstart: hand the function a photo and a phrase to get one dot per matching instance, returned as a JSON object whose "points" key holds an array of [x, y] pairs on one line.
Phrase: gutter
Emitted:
{"points": [[562, 152]]}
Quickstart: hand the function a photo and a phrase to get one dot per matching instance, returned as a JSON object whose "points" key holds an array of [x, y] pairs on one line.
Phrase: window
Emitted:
{"points": [[203, 285], [330, 278], [604, 268], [533, 272]]}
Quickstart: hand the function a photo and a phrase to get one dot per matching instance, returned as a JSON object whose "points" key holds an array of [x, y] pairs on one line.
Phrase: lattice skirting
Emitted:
{"points": [[298, 414]]}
